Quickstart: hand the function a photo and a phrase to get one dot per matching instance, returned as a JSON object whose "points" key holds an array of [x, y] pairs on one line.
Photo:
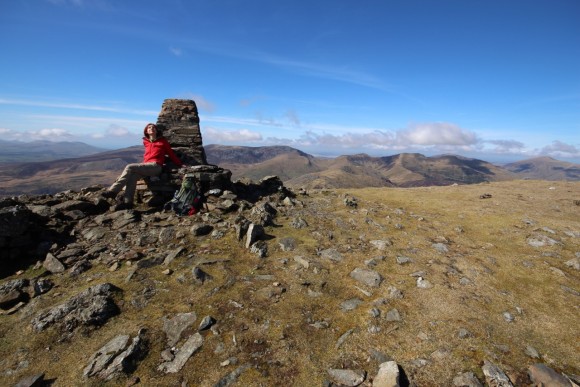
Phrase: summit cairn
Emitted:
{"points": [[179, 122]]}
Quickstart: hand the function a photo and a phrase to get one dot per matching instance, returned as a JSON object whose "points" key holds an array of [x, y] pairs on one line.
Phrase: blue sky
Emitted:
{"points": [[496, 80]]}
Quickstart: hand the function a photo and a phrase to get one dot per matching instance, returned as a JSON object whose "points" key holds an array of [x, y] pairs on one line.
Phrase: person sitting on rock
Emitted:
{"points": [[156, 148]]}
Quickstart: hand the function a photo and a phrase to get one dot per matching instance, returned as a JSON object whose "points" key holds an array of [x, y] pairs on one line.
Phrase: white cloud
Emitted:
{"points": [[53, 133], [560, 149], [50, 134], [213, 135], [435, 134], [117, 131], [507, 146]]}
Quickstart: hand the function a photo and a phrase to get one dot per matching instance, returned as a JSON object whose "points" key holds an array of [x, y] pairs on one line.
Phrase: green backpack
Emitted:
{"points": [[188, 200]]}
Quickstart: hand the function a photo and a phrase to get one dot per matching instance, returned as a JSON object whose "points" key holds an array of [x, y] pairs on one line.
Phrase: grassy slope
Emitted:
{"points": [[487, 244]]}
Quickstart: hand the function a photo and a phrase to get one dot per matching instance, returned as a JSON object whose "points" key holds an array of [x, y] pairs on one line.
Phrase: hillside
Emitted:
{"points": [[58, 175], [545, 168], [258, 162], [297, 169], [445, 286], [35, 151]]}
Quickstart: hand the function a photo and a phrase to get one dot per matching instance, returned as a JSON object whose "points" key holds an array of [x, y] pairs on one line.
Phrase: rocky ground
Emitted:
{"points": [[443, 286]]}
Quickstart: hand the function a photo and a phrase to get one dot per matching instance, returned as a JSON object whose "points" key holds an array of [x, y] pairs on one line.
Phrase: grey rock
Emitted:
{"points": [[343, 338], [494, 376], [508, 317], [173, 254], [532, 352], [302, 261], [80, 267], [193, 344], [441, 247], [200, 229], [347, 377], [41, 286], [166, 235], [403, 260], [540, 240], [574, 263], [381, 244], [466, 379], [287, 244], [351, 304], [255, 232], [200, 276], [298, 223], [150, 262], [52, 264], [393, 315], [395, 293], [117, 356], [332, 255], [423, 283], [175, 326], [542, 375], [13, 292], [387, 376], [232, 377], [260, 248], [367, 277], [379, 356], [93, 306], [31, 381], [206, 323]]}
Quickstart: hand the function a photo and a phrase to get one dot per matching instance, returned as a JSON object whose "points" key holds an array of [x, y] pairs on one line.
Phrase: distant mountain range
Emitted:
{"points": [[18, 151], [296, 168]]}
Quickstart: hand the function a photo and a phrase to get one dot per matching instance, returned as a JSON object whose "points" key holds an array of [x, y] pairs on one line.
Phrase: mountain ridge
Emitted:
{"points": [[296, 168]]}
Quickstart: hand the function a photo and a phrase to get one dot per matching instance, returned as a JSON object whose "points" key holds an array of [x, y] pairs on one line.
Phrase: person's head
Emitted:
{"points": [[150, 130]]}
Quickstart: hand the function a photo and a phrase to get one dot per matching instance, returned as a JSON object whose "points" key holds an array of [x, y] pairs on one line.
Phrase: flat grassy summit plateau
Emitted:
{"points": [[447, 282]]}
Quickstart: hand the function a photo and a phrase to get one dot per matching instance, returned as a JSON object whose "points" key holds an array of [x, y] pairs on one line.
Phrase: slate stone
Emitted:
{"points": [[193, 344]]}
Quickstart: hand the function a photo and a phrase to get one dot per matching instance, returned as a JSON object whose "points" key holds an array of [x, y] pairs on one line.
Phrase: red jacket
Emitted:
{"points": [[155, 151]]}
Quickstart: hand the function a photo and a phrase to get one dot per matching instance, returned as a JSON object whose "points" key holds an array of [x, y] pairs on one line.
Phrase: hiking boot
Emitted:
{"points": [[109, 194], [123, 206]]}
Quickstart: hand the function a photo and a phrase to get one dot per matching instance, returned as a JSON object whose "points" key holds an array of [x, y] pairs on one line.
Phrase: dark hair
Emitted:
{"points": [[145, 130]]}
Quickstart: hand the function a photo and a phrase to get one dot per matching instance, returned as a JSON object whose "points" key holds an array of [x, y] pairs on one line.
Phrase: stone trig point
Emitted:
{"points": [[179, 122]]}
